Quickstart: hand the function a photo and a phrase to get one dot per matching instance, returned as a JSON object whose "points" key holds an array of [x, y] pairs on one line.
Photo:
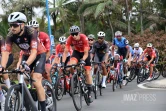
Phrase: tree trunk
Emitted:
{"points": [[111, 27], [141, 18], [54, 21], [128, 17], [81, 17]]}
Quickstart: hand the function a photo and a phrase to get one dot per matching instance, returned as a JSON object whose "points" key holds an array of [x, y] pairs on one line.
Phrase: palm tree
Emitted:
{"points": [[99, 9]]}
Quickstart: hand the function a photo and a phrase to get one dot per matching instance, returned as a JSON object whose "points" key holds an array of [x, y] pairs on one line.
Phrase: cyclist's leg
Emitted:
{"points": [[96, 59], [47, 70], [151, 68], [104, 71], [39, 65], [5, 76], [88, 77]]}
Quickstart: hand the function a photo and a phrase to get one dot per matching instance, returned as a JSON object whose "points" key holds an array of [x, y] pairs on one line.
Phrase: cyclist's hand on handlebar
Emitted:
{"points": [[24, 66], [82, 62]]}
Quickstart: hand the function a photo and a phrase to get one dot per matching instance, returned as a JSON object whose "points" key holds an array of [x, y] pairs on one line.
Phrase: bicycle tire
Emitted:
{"points": [[164, 71], [4, 90], [100, 77], [140, 77], [9, 95], [156, 74], [114, 84], [132, 75], [75, 81], [59, 87], [47, 84]]}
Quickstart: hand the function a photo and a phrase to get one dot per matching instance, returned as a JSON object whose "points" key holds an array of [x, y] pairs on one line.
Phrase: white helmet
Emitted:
{"points": [[136, 45], [74, 29], [101, 34], [127, 42], [62, 39], [118, 33], [149, 45], [17, 17], [35, 23], [29, 24]]}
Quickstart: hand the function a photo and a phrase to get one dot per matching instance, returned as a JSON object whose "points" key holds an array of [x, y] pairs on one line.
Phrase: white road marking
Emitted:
{"points": [[144, 87]]}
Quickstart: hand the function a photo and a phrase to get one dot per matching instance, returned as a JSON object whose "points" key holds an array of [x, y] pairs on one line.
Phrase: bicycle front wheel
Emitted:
{"points": [[156, 73], [76, 92], [13, 98], [51, 104]]}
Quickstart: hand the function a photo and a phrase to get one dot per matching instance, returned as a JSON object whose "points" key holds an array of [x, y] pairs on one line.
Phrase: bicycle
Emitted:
{"points": [[78, 86], [62, 85], [27, 98], [97, 79], [144, 72], [118, 76]]}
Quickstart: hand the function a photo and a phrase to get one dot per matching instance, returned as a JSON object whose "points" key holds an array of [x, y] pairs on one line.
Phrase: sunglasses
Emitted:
{"points": [[90, 39], [74, 34], [100, 38], [62, 43], [15, 25]]}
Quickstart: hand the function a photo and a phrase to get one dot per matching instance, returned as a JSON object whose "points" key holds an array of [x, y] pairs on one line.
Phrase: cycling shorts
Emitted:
{"points": [[38, 64], [79, 55], [99, 57], [122, 52], [148, 58]]}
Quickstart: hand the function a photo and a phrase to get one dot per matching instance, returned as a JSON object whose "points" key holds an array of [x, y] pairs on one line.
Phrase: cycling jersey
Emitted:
{"points": [[60, 50], [26, 42], [138, 52], [100, 50], [122, 46], [150, 53], [79, 45], [131, 50], [45, 40]]}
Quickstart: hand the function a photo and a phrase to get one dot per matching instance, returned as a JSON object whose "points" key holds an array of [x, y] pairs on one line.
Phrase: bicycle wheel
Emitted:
{"points": [[95, 88], [132, 75], [59, 87], [164, 71], [51, 104], [140, 75], [156, 73], [76, 92], [100, 77], [13, 98], [4, 90]]}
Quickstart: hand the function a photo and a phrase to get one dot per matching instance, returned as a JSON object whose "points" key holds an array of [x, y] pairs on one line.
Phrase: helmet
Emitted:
{"points": [[17, 17], [34, 23], [136, 45], [101, 34], [62, 39], [74, 29], [127, 42], [118, 33], [149, 45], [29, 24], [91, 36]]}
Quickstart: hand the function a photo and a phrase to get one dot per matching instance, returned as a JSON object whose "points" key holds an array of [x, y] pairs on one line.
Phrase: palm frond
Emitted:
{"points": [[89, 10], [99, 9]]}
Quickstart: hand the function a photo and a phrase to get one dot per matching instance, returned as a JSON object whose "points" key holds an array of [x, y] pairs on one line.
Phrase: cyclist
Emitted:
{"points": [[149, 55], [80, 54], [91, 39], [100, 52], [60, 50], [26, 39], [45, 40], [137, 50], [123, 49]]}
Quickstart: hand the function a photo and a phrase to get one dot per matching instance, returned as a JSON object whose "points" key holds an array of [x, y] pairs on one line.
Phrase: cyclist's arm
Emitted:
{"points": [[92, 52], [47, 45], [112, 51], [152, 58], [128, 51], [19, 62], [65, 53], [86, 51], [5, 51], [107, 53]]}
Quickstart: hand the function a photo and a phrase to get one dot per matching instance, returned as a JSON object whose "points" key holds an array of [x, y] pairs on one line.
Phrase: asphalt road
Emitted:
{"points": [[129, 98]]}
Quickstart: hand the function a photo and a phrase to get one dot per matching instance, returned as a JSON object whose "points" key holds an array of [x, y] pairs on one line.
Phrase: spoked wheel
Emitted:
{"points": [[50, 96], [60, 87], [76, 92], [13, 99], [95, 88], [140, 75], [156, 73], [164, 71], [132, 75], [100, 83]]}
